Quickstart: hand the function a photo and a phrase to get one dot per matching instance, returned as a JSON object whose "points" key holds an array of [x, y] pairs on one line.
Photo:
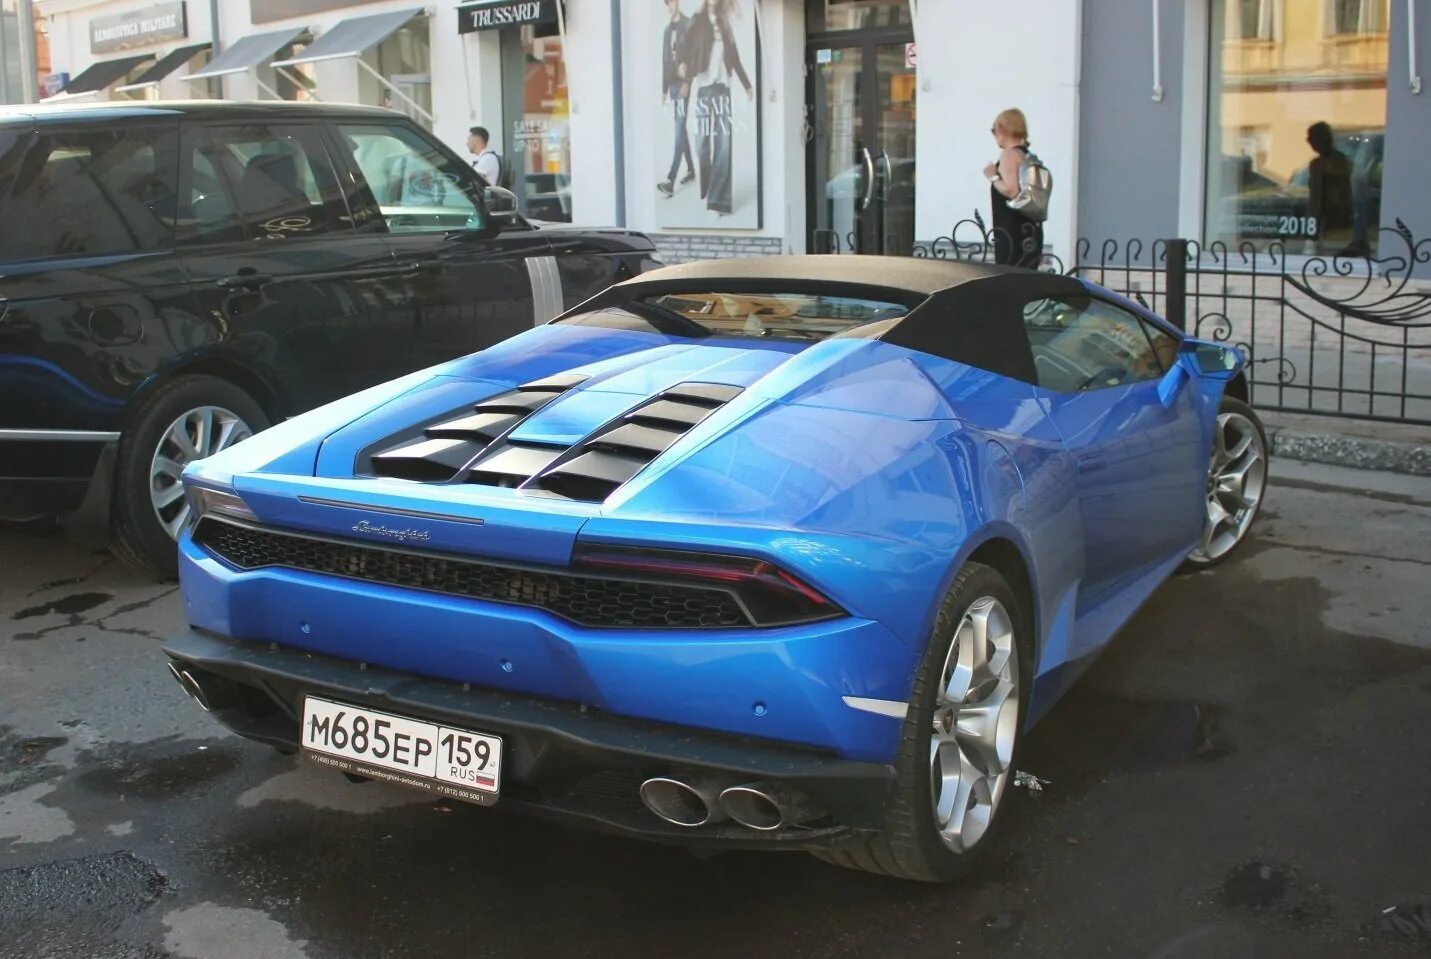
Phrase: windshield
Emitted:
{"points": [[810, 316]]}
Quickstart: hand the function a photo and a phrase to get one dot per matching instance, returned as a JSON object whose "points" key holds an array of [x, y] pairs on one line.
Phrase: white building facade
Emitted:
{"points": [[838, 125]]}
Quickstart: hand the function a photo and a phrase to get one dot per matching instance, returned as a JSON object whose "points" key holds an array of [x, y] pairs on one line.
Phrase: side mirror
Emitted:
{"points": [[1211, 360], [501, 206]]}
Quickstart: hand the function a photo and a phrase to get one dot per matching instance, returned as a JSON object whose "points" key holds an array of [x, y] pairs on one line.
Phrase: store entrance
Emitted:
{"points": [[859, 127]]}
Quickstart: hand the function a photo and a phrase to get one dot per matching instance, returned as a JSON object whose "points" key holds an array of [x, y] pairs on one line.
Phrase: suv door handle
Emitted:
{"points": [[242, 280], [420, 267], [1092, 462]]}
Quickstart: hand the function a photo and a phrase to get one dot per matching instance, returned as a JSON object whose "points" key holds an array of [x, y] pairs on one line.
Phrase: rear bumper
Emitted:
{"points": [[560, 759], [782, 685]]}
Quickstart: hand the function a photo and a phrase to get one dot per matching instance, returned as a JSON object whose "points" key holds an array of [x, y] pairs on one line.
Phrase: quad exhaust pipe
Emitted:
{"points": [[208, 690], [683, 803], [191, 685], [767, 806], [702, 801]]}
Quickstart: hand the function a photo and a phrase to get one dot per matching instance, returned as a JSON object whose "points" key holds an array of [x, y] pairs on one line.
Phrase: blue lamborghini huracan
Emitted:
{"points": [[785, 552]]}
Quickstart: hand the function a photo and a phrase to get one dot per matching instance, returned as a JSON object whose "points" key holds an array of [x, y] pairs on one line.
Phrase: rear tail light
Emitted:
{"points": [[206, 500], [771, 596]]}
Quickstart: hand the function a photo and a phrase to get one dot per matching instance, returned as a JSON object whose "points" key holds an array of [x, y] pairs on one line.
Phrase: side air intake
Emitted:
{"points": [[440, 451], [601, 463]]}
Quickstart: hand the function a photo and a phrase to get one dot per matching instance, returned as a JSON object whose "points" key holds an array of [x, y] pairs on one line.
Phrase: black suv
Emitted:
{"points": [[175, 277]]}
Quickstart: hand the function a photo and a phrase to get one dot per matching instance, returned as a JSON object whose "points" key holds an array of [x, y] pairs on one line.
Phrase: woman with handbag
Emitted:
{"points": [[1018, 239]]}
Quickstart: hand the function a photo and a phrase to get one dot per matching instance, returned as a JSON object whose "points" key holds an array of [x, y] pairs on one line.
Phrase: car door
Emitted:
{"points": [[470, 286], [1139, 451], [89, 287], [300, 286]]}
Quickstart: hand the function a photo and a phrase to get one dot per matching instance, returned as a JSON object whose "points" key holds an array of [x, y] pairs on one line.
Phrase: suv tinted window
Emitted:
{"points": [[418, 187], [278, 182], [1083, 343], [93, 192], [12, 149]]}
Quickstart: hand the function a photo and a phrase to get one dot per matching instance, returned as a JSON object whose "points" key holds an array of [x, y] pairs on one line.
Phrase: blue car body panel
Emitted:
{"points": [[870, 471]]}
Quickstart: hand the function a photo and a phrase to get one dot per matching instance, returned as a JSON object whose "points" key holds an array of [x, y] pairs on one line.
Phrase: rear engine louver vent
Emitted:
{"points": [[442, 450], [599, 465]]}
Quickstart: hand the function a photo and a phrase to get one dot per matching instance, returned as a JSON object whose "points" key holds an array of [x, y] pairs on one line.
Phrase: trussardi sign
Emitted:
{"points": [[505, 13]]}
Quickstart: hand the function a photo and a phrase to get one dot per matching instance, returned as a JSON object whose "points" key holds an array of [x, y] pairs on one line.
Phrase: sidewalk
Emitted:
{"points": [[1362, 444]]}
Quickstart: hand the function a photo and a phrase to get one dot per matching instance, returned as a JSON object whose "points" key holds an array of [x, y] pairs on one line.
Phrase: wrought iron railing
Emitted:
{"points": [[1345, 334]]}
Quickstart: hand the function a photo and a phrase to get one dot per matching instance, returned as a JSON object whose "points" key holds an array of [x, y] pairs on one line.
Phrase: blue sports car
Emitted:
{"points": [[784, 552]]}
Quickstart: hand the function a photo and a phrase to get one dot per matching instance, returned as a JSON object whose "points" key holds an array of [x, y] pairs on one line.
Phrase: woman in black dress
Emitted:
{"points": [[1018, 241]]}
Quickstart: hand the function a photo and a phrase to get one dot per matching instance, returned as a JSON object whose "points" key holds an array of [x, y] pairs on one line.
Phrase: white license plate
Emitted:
{"points": [[439, 759]]}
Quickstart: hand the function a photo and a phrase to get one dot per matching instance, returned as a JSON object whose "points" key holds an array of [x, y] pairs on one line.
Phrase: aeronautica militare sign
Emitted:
{"points": [[165, 21], [495, 14]]}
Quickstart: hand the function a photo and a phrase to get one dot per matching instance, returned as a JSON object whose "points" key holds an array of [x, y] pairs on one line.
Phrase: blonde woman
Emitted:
{"points": [[1018, 241]]}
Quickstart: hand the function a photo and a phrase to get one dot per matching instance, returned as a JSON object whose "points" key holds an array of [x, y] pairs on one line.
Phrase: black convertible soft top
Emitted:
{"points": [[968, 312]]}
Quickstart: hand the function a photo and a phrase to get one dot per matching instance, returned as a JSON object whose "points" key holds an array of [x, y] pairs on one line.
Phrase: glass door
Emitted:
{"points": [[860, 134]]}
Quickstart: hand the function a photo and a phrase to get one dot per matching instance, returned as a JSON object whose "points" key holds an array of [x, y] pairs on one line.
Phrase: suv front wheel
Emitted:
{"points": [[184, 420]]}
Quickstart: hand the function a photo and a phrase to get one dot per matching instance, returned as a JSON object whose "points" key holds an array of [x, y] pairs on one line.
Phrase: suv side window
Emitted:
{"points": [[93, 192], [12, 148], [1084, 343], [418, 187], [272, 181]]}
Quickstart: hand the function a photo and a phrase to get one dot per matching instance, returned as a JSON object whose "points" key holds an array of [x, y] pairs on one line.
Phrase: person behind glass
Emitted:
{"points": [[1329, 182], [1018, 241], [711, 59], [486, 161], [677, 92]]}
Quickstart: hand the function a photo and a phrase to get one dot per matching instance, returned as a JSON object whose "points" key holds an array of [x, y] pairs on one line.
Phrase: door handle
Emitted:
{"points": [[869, 178], [243, 280], [1092, 462], [420, 268]]}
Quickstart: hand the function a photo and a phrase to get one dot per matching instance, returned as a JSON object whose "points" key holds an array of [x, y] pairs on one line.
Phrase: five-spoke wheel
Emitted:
{"points": [[960, 737], [1236, 481], [975, 721]]}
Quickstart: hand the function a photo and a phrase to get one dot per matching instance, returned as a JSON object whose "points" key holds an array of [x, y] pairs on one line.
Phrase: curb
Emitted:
{"points": [[1348, 449]]}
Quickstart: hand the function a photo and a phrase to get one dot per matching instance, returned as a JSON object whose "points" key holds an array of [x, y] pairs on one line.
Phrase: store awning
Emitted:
{"points": [[249, 52], [102, 74], [477, 15], [352, 37], [167, 64]]}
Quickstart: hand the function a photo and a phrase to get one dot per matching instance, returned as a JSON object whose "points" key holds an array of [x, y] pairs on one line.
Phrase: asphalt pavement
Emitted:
{"points": [[1246, 772]]}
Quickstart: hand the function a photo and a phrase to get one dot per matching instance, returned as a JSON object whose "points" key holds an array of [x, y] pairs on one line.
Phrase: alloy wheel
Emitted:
{"points": [[1236, 479], [192, 436], [975, 724]]}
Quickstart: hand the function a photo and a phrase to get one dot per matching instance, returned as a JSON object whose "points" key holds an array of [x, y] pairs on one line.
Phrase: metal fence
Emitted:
{"points": [[1343, 335]]}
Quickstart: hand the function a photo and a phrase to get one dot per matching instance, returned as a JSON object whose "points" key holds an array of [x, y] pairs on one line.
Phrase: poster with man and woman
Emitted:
{"points": [[708, 132]]}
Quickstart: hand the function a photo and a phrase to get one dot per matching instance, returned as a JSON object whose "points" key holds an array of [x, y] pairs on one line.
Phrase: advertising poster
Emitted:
{"points": [[707, 140]]}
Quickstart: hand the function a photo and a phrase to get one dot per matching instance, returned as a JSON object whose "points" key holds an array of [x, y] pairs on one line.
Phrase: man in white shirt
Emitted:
{"points": [[488, 164]]}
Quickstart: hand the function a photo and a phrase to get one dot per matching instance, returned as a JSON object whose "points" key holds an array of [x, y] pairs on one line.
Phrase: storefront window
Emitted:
{"points": [[1297, 124], [538, 134], [827, 15], [404, 60]]}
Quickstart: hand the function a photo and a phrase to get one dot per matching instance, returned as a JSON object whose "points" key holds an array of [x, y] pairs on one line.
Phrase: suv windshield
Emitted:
{"points": [[810, 316]]}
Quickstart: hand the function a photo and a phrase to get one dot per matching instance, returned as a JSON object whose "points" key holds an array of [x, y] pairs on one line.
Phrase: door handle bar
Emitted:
{"points": [[244, 281], [869, 178]]}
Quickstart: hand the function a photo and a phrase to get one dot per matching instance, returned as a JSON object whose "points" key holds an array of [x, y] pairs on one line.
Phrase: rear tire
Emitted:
{"points": [[182, 421], [914, 844]]}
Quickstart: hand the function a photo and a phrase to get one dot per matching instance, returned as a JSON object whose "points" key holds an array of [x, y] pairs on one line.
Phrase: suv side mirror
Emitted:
{"points": [[501, 206]]}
